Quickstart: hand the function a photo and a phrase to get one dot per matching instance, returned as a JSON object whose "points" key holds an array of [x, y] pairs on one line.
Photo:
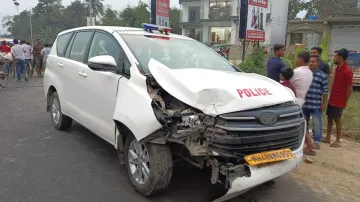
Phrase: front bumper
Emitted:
{"points": [[261, 174]]}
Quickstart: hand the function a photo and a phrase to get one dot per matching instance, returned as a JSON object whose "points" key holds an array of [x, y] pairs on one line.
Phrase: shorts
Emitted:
{"points": [[38, 62], [5, 67], [28, 61], [334, 112]]}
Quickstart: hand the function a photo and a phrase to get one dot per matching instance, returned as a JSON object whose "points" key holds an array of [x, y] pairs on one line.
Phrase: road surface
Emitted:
{"points": [[39, 163]]}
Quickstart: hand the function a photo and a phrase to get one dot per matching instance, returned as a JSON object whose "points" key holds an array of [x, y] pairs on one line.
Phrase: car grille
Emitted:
{"points": [[246, 134]]}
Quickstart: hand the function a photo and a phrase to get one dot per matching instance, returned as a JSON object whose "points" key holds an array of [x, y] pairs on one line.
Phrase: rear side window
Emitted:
{"points": [[80, 45], [62, 42]]}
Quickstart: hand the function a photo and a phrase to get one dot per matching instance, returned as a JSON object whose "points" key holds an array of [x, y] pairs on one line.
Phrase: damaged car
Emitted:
{"points": [[157, 96]]}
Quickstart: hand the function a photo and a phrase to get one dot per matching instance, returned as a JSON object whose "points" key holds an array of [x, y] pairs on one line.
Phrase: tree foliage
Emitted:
{"points": [[323, 8], [49, 17], [255, 62]]}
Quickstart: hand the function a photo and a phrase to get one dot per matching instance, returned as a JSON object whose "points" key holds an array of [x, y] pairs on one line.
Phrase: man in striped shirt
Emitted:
{"points": [[316, 99]]}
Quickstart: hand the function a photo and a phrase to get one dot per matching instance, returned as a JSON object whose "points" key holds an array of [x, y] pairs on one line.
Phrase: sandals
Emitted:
{"points": [[335, 145], [309, 152]]}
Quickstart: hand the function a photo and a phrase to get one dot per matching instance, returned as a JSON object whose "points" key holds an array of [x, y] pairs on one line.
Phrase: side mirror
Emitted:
{"points": [[103, 63]]}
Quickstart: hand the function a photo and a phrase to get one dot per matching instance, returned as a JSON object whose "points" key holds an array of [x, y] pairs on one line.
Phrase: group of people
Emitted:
{"points": [[22, 53], [310, 83]]}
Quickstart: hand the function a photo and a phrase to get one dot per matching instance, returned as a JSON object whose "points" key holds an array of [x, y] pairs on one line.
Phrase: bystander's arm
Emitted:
{"points": [[325, 92], [349, 87]]}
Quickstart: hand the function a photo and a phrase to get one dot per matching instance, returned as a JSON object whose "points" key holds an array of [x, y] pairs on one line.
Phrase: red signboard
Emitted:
{"points": [[163, 12], [259, 3], [163, 8], [256, 20]]}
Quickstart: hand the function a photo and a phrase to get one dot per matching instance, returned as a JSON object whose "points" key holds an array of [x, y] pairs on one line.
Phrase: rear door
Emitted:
{"points": [[74, 66], [103, 86], [55, 71]]}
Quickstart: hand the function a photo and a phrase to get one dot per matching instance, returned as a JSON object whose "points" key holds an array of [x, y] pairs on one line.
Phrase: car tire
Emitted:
{"points": [[59, 120], [159, 165]]}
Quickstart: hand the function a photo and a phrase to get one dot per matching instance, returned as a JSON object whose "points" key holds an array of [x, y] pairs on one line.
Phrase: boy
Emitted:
{"points": [[285, 75]]}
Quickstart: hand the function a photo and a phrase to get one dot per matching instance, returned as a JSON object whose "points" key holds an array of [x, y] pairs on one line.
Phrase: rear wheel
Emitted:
{"points": [[59, 120], [149, 166]]}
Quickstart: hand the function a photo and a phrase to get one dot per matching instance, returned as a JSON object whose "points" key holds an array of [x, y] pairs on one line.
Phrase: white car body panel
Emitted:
{"points": [[133, 106], [215, 92]]}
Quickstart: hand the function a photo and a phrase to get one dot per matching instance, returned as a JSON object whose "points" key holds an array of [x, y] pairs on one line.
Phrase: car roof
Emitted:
{"points": [[125, 30]]}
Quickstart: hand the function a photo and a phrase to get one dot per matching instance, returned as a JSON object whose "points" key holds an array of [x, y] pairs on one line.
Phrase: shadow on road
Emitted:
{"points": [[188, 183]]}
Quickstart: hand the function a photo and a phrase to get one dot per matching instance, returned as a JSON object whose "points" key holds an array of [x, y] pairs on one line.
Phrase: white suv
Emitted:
{"points": [[157, 96]]}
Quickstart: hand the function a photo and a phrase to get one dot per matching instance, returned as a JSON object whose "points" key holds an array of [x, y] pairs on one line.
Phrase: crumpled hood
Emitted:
{"points": [[217, 92]]}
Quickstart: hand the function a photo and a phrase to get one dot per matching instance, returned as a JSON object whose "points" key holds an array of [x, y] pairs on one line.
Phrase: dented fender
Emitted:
{"points": [[133, 106]]}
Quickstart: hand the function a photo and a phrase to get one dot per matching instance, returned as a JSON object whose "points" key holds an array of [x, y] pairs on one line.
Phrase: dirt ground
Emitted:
{"points": [[334, 172]]}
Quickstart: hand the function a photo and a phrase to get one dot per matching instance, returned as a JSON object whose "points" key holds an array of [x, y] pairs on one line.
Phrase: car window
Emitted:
{"points": [[103, 44], [79, 46], [175, 53], [62, 42]]}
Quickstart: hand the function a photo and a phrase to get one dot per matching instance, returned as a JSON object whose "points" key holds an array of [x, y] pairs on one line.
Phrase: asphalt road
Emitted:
{"points": [[41, 164]]}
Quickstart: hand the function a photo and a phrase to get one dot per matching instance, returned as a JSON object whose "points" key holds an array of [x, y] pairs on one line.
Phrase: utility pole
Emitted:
{"points": [[91, 12], [31, 30]]}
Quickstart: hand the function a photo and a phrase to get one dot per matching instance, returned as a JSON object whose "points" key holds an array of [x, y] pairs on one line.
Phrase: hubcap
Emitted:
{"points": [[139, 162], [55, 110]]}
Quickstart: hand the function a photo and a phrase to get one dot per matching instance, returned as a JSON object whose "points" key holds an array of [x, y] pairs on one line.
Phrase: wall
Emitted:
{"points": [[278, 23]]}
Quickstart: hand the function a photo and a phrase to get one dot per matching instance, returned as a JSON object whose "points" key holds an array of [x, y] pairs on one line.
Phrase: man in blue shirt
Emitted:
{"points": [[275, 64], [316, 99]]}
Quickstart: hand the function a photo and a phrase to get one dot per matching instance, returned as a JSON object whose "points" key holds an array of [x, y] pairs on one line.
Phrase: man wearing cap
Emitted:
{"points": [[340, 94]]}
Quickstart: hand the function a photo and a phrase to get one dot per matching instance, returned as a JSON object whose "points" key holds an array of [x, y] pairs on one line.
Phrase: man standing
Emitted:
{"points": [[18, 53], [275, 64], [340, 94], [303, 76], [302, 80], [316, 99], [28, 56], [45, 52], [37, 56], [324, 67]]}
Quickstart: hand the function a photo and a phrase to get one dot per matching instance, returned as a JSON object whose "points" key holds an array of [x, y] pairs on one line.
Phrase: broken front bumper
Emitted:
{"points": [[261, 174]]}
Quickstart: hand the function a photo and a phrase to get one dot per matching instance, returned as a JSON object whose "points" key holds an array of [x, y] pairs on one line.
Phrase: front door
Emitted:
{"points": [[102, 86]]}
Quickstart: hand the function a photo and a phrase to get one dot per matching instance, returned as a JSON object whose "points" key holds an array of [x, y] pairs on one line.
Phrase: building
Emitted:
{"points": [[208, 20], [342, 32]]}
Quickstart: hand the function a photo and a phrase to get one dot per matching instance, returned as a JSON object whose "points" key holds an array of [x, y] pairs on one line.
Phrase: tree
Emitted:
{"points": [[97, 7], [175, 20], [74, 15], [295, 6], [111, 17], [332, 8]]}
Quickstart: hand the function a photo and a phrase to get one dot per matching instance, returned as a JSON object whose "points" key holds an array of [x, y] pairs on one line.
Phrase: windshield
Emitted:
{"points": [[175, 53]]}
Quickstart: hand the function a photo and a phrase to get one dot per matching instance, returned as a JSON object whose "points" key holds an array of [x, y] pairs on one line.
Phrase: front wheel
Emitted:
{"points": [[149, 166]]}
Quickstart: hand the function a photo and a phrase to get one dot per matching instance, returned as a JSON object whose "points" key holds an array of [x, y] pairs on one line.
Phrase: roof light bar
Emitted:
{"points": [[151, 27]]}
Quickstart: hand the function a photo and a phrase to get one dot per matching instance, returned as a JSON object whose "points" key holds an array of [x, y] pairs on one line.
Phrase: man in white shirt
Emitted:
{"points": [[302, 80], [45, 52], [18, 53], [28, 55], [303, 77]]}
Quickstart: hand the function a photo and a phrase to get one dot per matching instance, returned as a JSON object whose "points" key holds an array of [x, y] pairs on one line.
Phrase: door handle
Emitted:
{"points": [[82, 74], [60, 65]]}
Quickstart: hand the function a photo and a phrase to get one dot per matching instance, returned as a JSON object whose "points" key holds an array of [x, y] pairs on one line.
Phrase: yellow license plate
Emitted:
{"points": [[269, 157]]}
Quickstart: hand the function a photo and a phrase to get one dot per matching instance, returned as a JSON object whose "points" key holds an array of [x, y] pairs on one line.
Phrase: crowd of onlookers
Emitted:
{"points": [[24, 57], [309, 81]]}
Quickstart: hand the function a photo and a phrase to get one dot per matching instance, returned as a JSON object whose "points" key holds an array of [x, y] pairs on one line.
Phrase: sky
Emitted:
{"points": [[8, 7]]}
